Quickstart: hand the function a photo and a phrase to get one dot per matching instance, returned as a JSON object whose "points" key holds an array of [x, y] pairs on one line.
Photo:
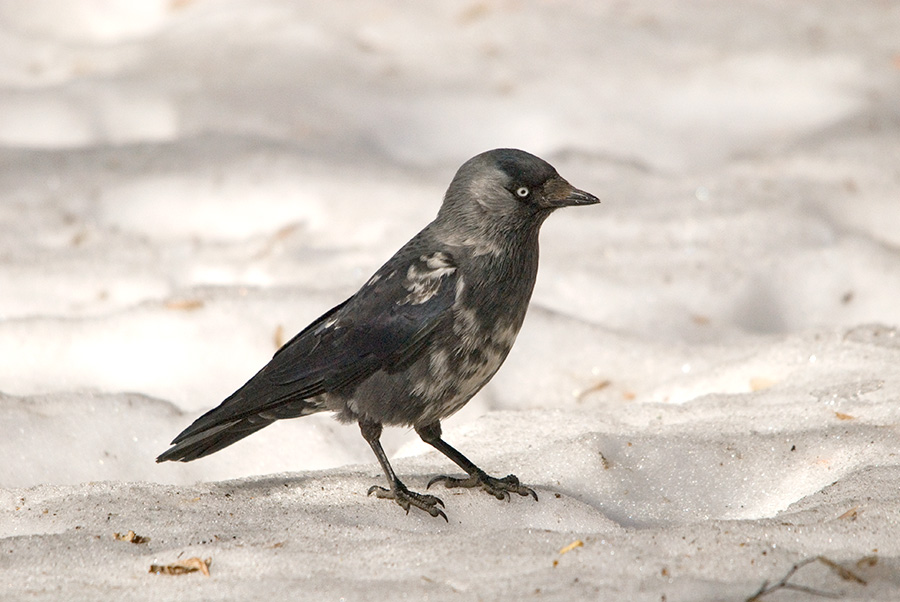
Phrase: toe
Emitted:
{"points": [[380, 492]]}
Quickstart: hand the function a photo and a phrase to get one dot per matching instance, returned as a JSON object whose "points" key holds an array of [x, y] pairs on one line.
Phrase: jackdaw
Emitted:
{"points": [[422, 335]]}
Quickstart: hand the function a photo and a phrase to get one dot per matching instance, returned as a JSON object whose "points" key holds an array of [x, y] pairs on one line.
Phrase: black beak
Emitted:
{"points": [[559, 193], [580, 197]]}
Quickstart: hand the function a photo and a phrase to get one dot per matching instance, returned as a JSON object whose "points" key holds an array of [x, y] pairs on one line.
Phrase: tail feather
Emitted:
{"points": [[220, 427], [210, 440]]}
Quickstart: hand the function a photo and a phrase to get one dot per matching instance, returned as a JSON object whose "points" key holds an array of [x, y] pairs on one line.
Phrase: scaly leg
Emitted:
{"points": [[499, 488], [371, 432]]}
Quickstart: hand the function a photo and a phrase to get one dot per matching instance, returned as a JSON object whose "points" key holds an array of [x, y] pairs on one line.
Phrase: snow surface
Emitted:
{"points": [[706, 390]]}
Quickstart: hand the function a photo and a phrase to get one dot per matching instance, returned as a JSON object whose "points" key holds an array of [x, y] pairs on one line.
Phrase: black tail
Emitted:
{"points": [[192, 444], [222, 426]]}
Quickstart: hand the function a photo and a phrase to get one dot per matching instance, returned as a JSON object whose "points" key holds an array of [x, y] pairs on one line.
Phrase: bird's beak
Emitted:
{"points": [[559, 193]]}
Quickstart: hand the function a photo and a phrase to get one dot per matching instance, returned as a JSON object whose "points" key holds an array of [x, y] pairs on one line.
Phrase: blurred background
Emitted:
{"points": [[184, 184]]}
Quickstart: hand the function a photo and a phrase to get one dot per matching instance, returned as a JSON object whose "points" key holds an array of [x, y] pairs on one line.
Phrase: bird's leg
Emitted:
{"points": [[499, 488], [371, 432]]}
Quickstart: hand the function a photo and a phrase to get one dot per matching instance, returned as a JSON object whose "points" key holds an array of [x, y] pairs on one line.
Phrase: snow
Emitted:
{"points": [[705, 391]]}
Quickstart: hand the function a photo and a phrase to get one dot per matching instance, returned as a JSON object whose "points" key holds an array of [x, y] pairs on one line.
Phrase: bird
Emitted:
{"points": [[421, 337]]}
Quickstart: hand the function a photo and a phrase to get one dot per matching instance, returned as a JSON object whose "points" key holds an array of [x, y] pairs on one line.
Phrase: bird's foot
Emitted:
{"points": [[499, 488], [406, 498]]}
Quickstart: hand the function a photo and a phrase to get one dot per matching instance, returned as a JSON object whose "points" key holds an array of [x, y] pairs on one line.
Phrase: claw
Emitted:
{"points": [[406, 498], [437, 479], [499, 488], [376, 490]]}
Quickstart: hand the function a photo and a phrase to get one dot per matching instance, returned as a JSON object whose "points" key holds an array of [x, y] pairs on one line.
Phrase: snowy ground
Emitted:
{"points": [[706, 390]]}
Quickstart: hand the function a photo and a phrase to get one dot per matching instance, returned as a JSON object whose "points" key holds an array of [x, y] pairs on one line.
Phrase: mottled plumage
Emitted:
{"points": [[422, 336]]}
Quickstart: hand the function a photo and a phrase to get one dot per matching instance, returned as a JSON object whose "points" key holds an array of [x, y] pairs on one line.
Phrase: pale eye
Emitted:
{"points": [[522, 191]]}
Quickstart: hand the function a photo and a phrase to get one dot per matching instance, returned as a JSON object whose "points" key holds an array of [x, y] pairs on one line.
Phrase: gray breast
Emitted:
{"points": [[458, 370]]}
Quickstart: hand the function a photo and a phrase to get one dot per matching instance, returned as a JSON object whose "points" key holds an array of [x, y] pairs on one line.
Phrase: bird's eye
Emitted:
{"points": [[522, 191]]}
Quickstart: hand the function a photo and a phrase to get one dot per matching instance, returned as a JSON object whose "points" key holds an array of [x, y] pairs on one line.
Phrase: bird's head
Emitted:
{"points": [[508, 187]]}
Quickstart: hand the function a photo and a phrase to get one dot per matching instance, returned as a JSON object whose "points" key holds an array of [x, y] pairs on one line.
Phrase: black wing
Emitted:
{"points": [[384, 326]]}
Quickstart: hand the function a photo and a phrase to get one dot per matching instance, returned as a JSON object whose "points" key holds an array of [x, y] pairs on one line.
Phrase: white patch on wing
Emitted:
{"points": [[438, 261], [423, 282], [327, 325]]}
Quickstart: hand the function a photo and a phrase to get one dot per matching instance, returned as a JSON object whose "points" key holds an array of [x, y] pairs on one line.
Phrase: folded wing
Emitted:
{"points": [[385, 326]]}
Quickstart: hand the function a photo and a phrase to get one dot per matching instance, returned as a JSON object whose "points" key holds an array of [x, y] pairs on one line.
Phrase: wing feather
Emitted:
{"points": [[384, 326]]}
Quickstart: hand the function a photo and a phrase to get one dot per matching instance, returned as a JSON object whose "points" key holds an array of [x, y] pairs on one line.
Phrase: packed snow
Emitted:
{"points": [[706, 391]]}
